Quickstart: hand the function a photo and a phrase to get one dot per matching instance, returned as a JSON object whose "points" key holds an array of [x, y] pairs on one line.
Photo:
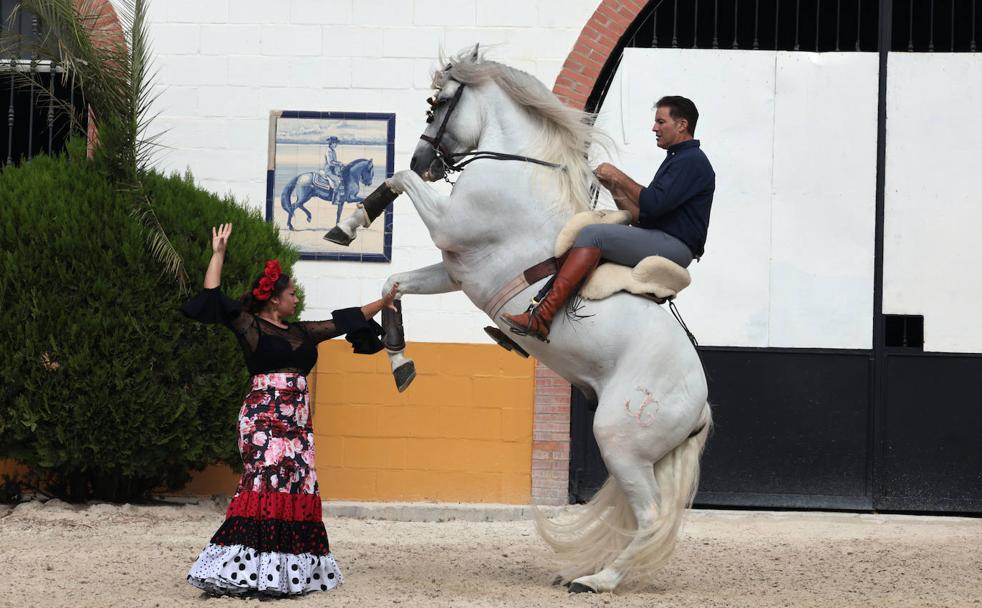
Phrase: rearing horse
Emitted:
{"points": [[305, 185], [501, 218]]}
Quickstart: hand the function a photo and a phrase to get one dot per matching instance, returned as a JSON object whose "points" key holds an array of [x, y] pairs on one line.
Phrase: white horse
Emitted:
{"points": [[503, 217]]}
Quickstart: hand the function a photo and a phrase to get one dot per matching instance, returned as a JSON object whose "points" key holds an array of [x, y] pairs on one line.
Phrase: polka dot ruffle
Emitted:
{"points": [[236, 570]]}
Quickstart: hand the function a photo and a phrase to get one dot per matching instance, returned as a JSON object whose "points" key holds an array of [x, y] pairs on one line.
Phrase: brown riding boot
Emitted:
{"points": [[580, 262]]}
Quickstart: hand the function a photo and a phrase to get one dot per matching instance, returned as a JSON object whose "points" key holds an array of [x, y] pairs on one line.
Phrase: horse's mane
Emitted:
{"points": [[566, 133]]}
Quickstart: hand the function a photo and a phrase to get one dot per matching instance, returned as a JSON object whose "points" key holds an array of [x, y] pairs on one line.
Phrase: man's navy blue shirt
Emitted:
{"points": [[680, 196]]}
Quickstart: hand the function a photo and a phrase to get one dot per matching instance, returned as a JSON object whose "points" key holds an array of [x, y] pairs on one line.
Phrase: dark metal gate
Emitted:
{"points": [[892, 428], [33, 125]]}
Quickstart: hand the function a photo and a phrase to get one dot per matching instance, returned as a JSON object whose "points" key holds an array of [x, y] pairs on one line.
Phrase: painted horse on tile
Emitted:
{"points": [[303, 187], [529, 175]]}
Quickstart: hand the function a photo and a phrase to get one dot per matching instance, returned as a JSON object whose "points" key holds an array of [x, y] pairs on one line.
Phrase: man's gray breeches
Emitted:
{"points": [[628, 245]]}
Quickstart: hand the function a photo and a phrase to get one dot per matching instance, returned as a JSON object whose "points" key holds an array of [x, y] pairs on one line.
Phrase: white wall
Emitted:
{"points": [[789, 257], [224, 64], [933, 210]]}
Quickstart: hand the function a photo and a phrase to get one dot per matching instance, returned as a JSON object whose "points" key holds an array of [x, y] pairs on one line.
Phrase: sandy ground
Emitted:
{"points": [[103, 555]]}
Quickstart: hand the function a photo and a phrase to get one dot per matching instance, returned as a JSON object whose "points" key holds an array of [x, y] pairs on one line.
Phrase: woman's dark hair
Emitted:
{"points": [[681, 107], [254, 305]]}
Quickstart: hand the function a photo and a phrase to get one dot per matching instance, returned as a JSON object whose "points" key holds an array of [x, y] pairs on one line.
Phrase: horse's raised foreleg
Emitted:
{"points": [[428, 280], [430, 203]]}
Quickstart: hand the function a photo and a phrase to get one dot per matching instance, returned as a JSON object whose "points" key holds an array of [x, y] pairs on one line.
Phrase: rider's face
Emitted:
{"points": [[668, 131]]}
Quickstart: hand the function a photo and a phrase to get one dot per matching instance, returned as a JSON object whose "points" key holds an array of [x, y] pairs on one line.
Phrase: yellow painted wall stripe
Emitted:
{"points": [[461, 433]]}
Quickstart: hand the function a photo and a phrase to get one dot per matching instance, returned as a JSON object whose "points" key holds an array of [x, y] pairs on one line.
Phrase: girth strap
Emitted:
{"points": [[519, 284]]}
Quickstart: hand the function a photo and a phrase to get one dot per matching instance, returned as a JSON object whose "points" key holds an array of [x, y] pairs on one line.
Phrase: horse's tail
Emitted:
{"points": [[286, 198], [605, 527]]}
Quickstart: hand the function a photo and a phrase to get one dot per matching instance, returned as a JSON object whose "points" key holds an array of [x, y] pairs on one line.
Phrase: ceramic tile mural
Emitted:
{"points": [[321, 165]]}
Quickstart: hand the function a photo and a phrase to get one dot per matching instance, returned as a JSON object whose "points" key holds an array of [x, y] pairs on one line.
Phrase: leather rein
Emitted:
{"points": [[449, 159]]}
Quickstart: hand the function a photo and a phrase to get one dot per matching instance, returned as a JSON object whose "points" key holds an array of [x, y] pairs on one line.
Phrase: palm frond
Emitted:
{"points": [[112, 62], [160, 245]]}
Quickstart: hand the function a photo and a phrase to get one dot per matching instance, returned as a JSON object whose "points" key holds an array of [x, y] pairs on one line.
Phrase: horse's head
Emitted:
{"points": [[454, 120], [368, 174]]}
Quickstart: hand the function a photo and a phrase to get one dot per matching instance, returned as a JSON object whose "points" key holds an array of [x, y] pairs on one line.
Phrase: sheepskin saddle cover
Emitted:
{"points": [[655, 277]]}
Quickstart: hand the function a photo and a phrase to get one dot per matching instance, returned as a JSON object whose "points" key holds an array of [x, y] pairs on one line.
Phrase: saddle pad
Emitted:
{"points": [[653, 276], [322, 182], [579, 221]]}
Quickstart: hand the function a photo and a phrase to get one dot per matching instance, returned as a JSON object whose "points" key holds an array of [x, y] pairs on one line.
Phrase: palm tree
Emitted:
{"points": [[110, 61]]}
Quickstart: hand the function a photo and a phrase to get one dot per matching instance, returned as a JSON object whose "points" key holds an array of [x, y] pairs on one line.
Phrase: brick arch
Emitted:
{"points": [[598, 40], [106, 32]]}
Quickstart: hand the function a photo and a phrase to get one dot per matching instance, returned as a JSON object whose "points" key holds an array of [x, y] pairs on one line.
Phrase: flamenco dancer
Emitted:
{"points": [[273, 541]]}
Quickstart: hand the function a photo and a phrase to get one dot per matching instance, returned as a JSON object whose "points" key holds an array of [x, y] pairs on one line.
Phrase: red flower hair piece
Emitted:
{"points": [[271, 274]]}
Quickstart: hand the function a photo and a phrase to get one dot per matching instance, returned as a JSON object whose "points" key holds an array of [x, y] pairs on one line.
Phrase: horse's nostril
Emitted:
{"points": [[412, 164]]}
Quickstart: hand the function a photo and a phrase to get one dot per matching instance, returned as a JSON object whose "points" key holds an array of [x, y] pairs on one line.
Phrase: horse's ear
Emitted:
{"points": [[475, 54]]}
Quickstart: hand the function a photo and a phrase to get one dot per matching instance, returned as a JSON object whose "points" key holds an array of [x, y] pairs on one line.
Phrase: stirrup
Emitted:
{"points": [[526, 331]]}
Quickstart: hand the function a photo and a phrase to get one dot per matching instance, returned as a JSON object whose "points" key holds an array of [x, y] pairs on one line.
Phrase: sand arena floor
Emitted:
{"points": [[102, 555]]}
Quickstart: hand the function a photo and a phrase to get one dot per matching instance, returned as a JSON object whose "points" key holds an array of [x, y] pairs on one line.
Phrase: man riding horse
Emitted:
{"points": [[332, 169], [669, 218]]}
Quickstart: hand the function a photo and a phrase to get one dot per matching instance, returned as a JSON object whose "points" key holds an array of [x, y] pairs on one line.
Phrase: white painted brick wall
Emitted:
{"points": [[291, 40], [435, 12], [176, 38], [514, 13], [228, 39], [224, 64], [194, 11]]}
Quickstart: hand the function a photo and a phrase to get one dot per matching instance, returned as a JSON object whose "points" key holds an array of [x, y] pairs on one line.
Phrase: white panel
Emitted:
{"points": [[727, 302], [789, 256], [933, 211], [823, 219]]}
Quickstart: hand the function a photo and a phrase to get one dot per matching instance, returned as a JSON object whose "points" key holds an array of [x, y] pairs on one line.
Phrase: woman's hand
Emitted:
{"points": [[388, 300], [219, 238]]}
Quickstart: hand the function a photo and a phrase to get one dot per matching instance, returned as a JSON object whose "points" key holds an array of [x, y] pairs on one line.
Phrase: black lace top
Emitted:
{"points": [[269, 348]]}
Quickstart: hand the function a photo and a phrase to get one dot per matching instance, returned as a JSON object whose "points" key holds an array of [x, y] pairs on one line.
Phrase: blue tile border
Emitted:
{"points": [[390, 118]]}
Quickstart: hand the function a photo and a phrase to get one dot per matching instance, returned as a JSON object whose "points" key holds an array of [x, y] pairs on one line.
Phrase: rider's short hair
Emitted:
{"points": [[680, 107]]}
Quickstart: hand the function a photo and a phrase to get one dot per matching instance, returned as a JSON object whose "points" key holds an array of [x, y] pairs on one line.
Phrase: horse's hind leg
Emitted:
{"points": [[304, 209], [636, 478], [651, 445]]}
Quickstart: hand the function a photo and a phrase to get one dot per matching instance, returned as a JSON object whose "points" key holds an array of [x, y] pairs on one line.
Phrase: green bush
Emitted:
{"points": [[106, 390]]}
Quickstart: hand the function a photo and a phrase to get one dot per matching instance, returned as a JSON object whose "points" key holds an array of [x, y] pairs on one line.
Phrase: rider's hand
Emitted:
{"points": [[219, 238], [606, 173]]}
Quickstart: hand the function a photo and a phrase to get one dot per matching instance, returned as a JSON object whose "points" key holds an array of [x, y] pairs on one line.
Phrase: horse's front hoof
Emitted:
{"points": [[580, 588], [404, 375], [336, 235]]}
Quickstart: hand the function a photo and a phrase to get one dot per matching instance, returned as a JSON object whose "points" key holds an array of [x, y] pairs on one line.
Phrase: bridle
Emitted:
{"points": [[448, 158]]}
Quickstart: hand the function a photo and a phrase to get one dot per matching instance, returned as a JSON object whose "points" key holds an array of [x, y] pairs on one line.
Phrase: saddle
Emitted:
{"points": [[322, 182], [654, 277]]}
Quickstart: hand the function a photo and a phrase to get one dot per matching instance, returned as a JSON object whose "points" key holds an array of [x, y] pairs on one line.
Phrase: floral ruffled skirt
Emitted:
{"points": [[273, 541]]}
